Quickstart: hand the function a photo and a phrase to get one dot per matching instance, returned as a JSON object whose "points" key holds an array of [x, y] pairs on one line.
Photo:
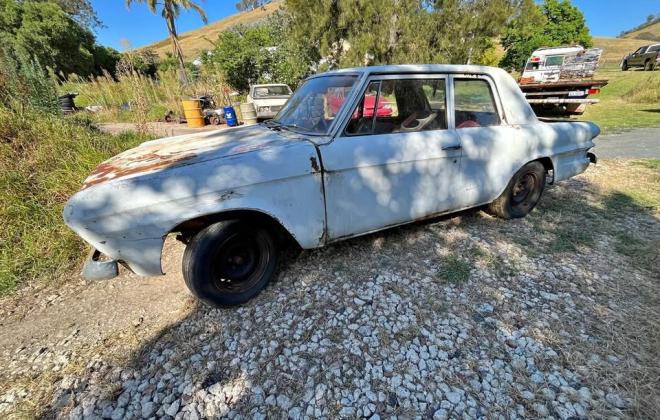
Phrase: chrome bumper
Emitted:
{"points": [[95, 269]]}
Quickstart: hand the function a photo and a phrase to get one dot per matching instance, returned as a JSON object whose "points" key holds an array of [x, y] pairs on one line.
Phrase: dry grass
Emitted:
{"points": [[134, 97], [614, 49]]}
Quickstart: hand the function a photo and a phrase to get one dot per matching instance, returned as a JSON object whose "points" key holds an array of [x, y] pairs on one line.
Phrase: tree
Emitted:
{"points": [[462, 31], [244, 5], [171, 9], [43, 31], [81, 11], [256, 54], [554, 23]]}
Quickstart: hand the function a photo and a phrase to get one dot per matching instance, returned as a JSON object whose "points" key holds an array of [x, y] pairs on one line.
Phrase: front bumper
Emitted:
{"points": [[97, 269]]}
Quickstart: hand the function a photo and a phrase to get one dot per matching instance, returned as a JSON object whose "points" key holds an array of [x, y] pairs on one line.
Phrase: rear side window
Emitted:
{"points": [[474, 104], [654, 48]]}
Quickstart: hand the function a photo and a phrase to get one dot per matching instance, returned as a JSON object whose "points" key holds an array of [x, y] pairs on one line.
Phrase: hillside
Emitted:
{"points": [[615, 48], [649, 33], [194, 41]]}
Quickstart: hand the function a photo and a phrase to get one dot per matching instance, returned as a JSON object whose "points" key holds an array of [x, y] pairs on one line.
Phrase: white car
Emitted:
{"points": [[336, 162], [268, 99]]}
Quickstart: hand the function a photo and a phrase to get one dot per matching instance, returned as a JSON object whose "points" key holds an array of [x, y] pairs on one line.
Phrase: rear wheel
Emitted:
{"points": [[229, 262], [648, 66], [522, 194]]}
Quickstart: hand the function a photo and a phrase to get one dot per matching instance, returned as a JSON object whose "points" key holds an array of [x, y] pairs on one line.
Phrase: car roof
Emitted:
{"points": [[414, 68], [269, 84]]}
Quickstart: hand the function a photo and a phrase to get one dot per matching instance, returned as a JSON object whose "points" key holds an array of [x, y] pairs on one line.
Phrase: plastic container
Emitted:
{"points": [[230, 116], [248, 113]]}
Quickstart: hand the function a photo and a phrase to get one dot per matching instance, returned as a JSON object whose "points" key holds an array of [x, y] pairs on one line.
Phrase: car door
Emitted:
{"points": [[395, 159], [637, 58], [492, 149]]}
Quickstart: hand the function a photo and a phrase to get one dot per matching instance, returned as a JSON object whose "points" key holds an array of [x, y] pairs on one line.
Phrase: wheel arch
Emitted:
{"points": [[188, 228]]}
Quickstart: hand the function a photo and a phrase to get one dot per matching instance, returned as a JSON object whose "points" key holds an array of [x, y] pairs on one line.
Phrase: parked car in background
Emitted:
{"points": [[268, 99], [647, 57], [454, 137]]}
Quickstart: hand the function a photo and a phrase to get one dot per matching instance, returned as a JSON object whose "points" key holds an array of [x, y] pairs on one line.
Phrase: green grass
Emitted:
{"points": [[649, 163], [43, 161], [627, 101], [454, 270]]}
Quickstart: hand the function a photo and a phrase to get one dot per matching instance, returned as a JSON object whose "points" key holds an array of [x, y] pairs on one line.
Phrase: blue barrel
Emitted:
{"points": [[230, 116]]}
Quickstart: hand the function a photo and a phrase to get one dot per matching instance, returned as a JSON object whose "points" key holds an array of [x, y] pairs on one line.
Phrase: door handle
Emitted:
{"points": [[454, 147]]}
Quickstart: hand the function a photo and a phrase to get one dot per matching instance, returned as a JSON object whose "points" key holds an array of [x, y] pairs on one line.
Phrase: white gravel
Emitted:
{"points": [[370, 329]]}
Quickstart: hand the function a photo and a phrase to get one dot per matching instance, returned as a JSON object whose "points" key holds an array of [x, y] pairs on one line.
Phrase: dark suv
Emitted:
{"points": [[647, 56]]}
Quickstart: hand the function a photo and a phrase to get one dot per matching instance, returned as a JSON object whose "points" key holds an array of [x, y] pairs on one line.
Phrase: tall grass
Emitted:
{"points": [[646, 91], [121, 96], [43, 160]]}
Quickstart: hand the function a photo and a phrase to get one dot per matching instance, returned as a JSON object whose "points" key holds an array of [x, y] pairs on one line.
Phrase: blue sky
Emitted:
{"points": [[140, 27]]}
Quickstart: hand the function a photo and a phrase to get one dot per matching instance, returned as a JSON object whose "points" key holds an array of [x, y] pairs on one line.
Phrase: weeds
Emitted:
{"points": [[43, 161], [133, 96], [646, 91], [454, 270]]}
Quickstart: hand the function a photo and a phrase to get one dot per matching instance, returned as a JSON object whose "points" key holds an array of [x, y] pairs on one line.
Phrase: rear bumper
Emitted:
{"points": [[97, 269]]}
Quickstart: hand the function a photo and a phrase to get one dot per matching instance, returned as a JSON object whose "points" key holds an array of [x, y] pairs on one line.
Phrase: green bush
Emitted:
{"points": [[44, 159]]}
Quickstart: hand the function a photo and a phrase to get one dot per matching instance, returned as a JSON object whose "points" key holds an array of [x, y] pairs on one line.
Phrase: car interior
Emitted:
{"points": [[412, 105]]}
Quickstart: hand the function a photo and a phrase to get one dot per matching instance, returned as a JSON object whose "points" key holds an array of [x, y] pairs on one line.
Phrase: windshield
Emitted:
{"points": [[266, 91], [313, 107]]}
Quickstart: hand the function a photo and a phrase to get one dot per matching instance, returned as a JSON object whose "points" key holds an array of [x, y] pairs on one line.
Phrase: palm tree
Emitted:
{"points": [[170, 12]]}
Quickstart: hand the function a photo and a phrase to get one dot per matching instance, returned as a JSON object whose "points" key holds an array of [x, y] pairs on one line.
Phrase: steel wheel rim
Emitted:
{"points": [[236, 262], [523, 188]]}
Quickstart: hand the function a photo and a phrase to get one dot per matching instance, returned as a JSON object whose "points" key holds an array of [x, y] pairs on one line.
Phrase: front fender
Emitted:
{"points": [[129, 219]]}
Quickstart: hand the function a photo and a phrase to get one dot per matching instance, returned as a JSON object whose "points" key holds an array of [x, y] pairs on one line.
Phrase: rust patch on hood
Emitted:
{"points": [[166, 153], [126, 164]]}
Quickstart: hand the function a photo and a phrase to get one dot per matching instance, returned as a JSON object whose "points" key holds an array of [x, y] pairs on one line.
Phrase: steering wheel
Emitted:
{"points": [[412, 123]]}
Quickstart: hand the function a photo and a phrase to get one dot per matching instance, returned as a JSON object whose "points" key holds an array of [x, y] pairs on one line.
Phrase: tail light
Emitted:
{"points": [[593, 91]]}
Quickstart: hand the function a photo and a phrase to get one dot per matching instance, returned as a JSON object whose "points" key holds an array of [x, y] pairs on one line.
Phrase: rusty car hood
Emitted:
{"points": [[158, 155]]}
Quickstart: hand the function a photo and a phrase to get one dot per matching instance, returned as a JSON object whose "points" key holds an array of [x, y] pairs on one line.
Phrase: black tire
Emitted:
{"points": [[624, 66], [648, 66], [522, 194], [229, 262]]}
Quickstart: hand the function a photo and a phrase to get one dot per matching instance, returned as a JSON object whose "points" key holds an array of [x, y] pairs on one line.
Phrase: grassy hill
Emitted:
{"points": [[194, 41], [615, 48], [649, 32]]}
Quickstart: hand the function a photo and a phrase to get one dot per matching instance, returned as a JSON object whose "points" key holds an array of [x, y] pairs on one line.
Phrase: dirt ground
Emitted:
{"points": [[554, 315]]}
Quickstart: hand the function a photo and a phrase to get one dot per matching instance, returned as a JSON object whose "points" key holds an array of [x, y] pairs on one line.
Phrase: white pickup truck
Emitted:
{"points": [[354, 151]]}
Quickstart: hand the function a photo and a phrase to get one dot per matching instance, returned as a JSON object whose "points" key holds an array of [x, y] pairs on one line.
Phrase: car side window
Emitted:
{"points": [[474, 104], [654, 48], [554, 61], [400, 105]]}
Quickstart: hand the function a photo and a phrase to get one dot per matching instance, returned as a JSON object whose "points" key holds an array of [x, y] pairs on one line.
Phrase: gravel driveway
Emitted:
{"points": [[464, 317]]}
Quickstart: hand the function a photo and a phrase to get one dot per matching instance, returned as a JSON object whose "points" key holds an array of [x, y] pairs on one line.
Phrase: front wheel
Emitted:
{"points": [[522, 194], [624, 66], [229, 262]]}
